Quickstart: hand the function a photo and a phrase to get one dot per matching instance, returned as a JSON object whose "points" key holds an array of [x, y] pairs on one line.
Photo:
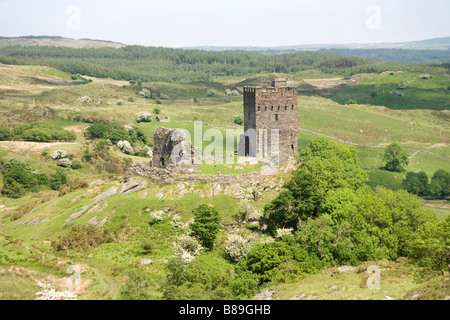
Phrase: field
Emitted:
{"points": [[418, 122]]}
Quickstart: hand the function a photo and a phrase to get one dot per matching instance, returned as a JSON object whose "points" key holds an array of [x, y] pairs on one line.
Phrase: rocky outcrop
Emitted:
{"points": [[108, 193], [77, 214], [133, 186]]}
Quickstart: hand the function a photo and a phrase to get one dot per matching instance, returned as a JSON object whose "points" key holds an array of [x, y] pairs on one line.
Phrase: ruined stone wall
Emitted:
{"points": [[170, 147], [163, 176]]}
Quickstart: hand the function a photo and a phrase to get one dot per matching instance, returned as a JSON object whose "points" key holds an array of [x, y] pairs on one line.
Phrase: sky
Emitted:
{"points": [[182, 23]]}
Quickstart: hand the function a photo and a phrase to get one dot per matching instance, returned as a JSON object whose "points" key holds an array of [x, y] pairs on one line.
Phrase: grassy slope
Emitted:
{"points": [[109, 263]]}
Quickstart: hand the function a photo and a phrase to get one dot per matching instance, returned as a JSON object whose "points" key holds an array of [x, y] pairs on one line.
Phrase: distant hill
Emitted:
{"points": [[429, 44], [57, 42]]}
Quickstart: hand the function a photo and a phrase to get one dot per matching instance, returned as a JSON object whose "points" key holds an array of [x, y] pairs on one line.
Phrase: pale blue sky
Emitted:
{"points": [[172, 23]]}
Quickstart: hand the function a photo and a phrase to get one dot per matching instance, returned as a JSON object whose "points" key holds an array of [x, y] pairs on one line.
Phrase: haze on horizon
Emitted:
{"points": [[178, 23]]}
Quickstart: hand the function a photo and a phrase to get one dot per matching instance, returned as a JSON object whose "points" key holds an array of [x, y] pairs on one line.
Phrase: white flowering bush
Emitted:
{"points": [[176, 222], [65, 163], [145, 93], [186, 247], [48, 293], [58, 154], [237, 247], [125, 147], [144, 117], [157, 216], [129, 126], [283, 231]]}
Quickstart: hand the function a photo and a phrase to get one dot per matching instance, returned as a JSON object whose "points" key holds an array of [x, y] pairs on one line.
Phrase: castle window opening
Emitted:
{"points": [[276, 117]]}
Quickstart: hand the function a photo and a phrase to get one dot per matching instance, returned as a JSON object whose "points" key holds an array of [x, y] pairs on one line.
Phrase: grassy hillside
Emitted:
{"points": [[111, 269], [57, 42]]}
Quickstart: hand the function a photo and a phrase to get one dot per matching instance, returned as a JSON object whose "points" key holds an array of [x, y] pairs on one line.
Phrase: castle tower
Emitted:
{"points": [[265, 110]]}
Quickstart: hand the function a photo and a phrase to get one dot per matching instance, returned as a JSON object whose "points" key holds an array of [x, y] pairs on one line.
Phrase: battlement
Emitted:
{"points": [[261, 90]]}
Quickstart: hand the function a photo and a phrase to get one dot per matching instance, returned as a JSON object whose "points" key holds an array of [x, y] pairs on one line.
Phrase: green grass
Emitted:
{"points": [[61, 74], [17, 287], [419, 93], [350, 285]]}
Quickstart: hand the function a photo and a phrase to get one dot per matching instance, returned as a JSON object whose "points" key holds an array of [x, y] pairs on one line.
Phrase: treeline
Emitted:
{"points": [[38, 132], [171, 65], [397, 55], [438, 187]]}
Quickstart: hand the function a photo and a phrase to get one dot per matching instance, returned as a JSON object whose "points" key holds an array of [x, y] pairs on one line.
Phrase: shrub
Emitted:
{"points": [[187, 248], [238, 121], [58, 179], [125, 147], [350, 101], [130, 99], [65, 163], [237, 247], [5, 134], [145, 93], [401, 86], [146, 247], [144, 117], [263, 259], [76, 164], [120, 103], [244, 287], [157, 110], [77, 183], [206, 225], [19, 178], [211, 93], [82, 237]]}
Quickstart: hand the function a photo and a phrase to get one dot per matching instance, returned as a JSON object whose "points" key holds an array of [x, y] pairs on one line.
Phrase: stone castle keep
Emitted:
{"points": [[265, 110]]}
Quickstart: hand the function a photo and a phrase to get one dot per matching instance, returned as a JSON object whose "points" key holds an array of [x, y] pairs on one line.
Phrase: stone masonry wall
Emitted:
{"points": [[271, 108]]}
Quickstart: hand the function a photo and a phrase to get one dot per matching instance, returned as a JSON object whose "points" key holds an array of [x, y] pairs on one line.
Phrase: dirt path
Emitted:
{"points": [[27, 146], [109, 284]]}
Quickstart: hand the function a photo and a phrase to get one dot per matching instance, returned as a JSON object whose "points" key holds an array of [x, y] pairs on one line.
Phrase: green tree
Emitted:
{"points": [[440, 184], [206, 225], [326, 165], [429, 248], [19, 178], [416, 183], [58, 179], [264, 259], [395, 158], [5, 134]]}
